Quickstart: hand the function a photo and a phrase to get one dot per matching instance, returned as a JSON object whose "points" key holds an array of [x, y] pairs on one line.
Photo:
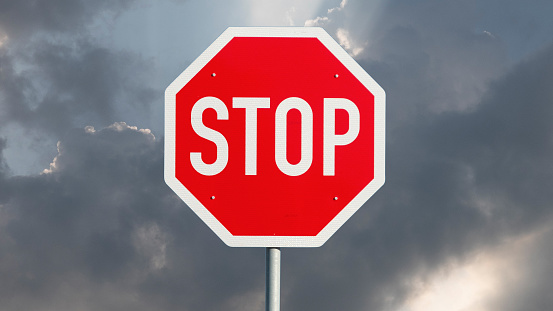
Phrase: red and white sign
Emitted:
{"points": [[274, 136]]}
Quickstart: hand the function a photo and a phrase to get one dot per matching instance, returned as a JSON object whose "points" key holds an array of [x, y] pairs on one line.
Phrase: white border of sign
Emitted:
{"points": [[196, 205]]}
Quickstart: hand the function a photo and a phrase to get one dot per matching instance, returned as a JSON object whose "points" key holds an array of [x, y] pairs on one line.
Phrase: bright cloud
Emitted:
{"points": [[3, 38], [347, 42], [320, 21], [472, 285], [335, 22], [281, 13]]}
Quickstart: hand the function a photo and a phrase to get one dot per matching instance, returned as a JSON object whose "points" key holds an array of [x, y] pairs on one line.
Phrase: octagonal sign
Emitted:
{"points": [[274, 136]]}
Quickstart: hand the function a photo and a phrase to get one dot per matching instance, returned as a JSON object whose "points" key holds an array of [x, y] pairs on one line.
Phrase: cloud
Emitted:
{"points": [[447, 64], [64, 85], [3, 166], [279, 13], [53, 87], [345, 41], [525, 283], [71, 228], [334, 23], [493, 278], [54, 75], [322, 20], [21, 19], [511, 145], [100, 229], [3, 38]]}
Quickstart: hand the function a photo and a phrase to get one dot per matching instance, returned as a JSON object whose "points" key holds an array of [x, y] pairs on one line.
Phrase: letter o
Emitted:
{"points": [[306, 136]]}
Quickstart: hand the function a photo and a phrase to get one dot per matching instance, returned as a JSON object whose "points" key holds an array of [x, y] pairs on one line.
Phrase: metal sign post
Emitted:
{"points": [[272, 279]]}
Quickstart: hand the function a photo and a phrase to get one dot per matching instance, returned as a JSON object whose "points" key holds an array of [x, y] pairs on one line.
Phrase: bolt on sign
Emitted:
{"points": [[274, 137]]}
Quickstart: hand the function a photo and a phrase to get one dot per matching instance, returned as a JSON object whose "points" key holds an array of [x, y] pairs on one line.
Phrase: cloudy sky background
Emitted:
{"points": [[463, 223]]}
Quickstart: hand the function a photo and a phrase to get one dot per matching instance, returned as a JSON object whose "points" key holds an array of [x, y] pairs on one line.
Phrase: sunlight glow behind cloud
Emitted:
{"points": [[460, 289], [3, 38], [346, 42], [474, 284], [281, 13]]}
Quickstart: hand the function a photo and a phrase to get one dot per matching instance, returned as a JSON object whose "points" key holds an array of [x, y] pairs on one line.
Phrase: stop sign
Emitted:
{"points": [[274, 136]]}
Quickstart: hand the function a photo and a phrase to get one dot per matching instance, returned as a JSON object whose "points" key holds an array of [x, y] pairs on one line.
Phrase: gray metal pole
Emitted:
{"points": [[272, 277]]}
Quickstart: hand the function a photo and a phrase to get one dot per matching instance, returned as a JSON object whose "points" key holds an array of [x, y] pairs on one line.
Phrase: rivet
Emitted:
{"points": [[336, 76], [212, 197], [213, 74], [335, 198]]}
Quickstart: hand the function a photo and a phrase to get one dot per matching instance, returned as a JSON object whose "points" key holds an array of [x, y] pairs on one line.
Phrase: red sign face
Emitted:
{"points": [[274, 136]]}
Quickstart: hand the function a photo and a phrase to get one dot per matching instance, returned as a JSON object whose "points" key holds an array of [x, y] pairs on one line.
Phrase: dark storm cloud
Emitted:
{"points": [[101, 226], [3, 166], [64, 85], [55, 76], [510, 151], [30, 17], [71, 220], [434, 51], [524, 28]]}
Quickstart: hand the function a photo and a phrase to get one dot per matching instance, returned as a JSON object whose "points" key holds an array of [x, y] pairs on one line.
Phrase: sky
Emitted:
{"points": [[464, 221]]}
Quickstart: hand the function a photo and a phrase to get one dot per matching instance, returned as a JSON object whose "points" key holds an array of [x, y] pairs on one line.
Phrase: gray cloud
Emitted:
{"points": [[100, 229], [3, 165], [54, 74], [27, 17], [510, 148], [66, 85], [433, 49]]}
